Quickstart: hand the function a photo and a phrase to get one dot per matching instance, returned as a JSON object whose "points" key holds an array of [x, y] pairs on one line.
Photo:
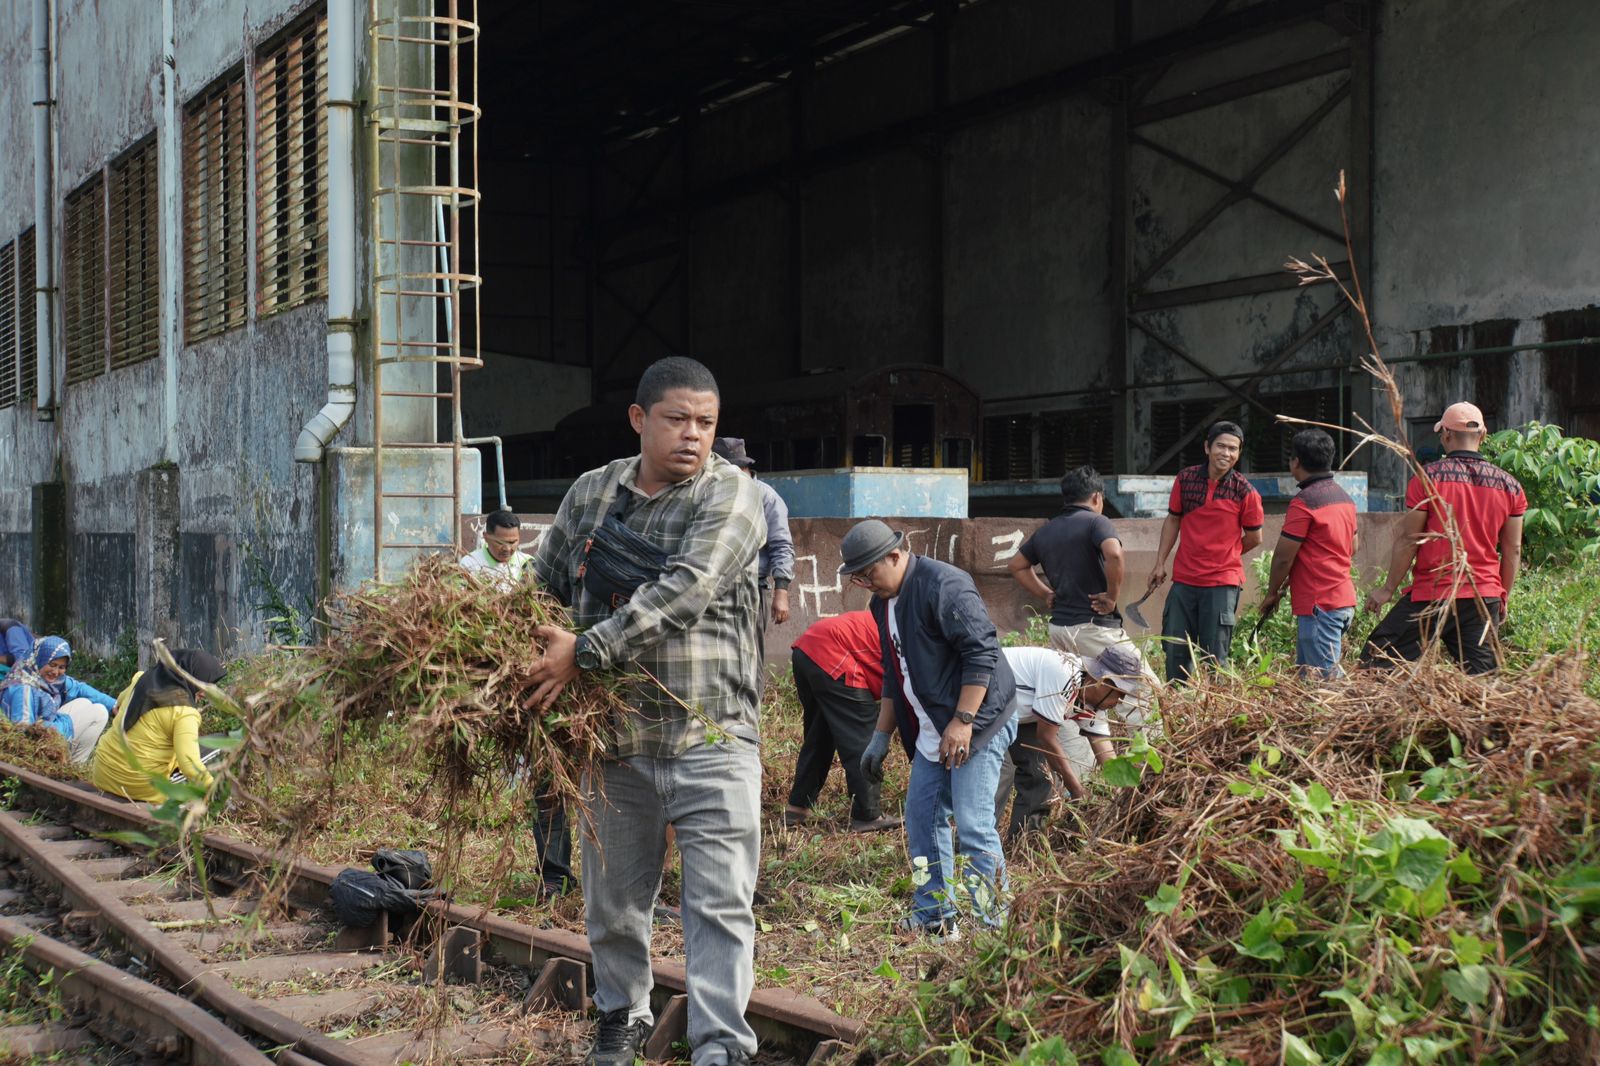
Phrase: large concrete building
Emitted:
{"points": [[241, 244]]}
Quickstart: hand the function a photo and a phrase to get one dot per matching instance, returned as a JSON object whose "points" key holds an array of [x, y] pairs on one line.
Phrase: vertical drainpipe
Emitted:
{"points": [[171, 248], [44, 232], [335, 414]]}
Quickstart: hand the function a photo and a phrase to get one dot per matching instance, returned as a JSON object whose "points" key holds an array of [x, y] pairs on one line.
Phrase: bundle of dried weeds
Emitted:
{"points": [[36, 747], [1168, 879], [438, 665]]}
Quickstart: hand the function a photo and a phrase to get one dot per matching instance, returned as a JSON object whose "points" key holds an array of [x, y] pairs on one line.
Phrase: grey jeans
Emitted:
{"points": [[712, 795]]}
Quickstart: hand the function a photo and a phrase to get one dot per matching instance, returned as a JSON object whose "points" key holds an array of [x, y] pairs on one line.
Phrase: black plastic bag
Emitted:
{"points": [[359, 898], [411, 869]]}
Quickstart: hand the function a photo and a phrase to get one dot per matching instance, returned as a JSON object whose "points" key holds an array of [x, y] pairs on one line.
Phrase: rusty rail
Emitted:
{"points": [[559, 959], [131, 1012]]}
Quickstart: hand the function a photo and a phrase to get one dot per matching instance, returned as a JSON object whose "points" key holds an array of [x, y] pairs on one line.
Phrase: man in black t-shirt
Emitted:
{"points": [[1082, 559]]}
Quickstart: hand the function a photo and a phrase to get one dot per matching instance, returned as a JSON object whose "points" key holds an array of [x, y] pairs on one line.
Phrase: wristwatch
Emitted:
{"points": [[587, 657], [965, 717]]}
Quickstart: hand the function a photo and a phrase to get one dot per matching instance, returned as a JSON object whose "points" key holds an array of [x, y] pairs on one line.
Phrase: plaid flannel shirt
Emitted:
{"points": [[694, 628]]}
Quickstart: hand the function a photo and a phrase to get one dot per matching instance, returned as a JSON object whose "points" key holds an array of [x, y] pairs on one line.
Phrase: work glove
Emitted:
{"points": [[872, 758]]}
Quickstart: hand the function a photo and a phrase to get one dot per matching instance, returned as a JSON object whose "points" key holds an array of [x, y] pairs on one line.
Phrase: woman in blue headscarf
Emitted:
{"points": [[38, 691]]}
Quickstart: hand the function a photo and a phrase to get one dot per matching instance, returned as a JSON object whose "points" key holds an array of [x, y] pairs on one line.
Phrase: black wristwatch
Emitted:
{"points": [[965, 717], [586, 656]]}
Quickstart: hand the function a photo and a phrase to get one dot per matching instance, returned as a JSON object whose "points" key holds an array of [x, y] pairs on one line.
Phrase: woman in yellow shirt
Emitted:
{"points": [[156, 730]]}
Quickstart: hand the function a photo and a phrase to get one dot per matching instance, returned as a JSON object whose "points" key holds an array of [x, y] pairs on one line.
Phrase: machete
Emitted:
{"points": [[1132, 610]]}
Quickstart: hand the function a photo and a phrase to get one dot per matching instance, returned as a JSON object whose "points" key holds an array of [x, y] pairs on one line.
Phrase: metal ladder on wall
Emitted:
{"points": [[424, 91]]}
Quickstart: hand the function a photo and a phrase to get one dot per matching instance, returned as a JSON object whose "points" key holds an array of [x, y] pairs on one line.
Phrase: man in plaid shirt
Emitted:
{"points": [[693, 630]]}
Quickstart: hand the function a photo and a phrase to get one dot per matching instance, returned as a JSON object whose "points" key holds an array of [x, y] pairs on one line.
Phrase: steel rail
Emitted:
{"points": [[131, 1013], [123, 923], [781, 1018]]}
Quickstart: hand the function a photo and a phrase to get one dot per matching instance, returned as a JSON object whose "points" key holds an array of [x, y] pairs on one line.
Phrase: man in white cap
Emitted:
{"points": [[1055, 687], [948, 690], [1458, 592]]}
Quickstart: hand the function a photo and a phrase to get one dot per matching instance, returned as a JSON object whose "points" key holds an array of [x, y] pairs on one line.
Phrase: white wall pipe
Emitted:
{"points": [[336, 413], [44, 231], [171, 229]]}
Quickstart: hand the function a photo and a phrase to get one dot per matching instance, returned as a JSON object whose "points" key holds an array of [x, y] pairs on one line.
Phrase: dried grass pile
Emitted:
{"points": [[38, 748], [436, 668], [1394, 868]]}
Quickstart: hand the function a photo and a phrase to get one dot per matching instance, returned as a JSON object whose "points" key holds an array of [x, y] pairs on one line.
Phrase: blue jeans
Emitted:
{"points": [[1320, 639], [712, 795], [967, 792]]}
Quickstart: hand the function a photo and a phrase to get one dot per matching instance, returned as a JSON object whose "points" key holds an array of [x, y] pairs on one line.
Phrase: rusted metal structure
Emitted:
{"points": [[424, 325], [100, 882]]}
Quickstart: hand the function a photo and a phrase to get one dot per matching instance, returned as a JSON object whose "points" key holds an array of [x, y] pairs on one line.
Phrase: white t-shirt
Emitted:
{"points": [[928, 736], [1047, 683], [505, 575]]}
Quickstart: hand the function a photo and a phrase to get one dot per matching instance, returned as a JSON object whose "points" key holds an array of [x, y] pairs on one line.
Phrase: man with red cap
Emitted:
{"points": [[1457, 591]]}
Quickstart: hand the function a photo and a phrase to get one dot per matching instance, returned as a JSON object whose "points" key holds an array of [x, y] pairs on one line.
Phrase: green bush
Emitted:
{"points": [[1561, 476], [112, 673]]}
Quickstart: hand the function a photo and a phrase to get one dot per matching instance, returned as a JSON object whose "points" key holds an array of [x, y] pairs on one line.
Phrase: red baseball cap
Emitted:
{"points": [[1463, 417]]}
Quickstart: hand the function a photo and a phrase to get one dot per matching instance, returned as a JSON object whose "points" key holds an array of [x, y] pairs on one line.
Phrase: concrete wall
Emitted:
{"points": [[981, 546], [182, 554]]}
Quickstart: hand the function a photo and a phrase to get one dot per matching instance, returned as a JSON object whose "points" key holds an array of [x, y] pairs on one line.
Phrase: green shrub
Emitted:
{"points": [[111, 673], [1561, 476]]}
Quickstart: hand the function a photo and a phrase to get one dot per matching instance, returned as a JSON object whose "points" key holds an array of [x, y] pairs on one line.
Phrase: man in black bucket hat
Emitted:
{"points": [[948, 690]]}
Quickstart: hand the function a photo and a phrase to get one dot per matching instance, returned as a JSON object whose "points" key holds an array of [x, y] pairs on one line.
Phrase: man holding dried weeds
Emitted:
{"points": [[657, 556], [1460, 595]]}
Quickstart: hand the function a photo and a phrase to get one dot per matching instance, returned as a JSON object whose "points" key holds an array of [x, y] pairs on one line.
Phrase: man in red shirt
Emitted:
{"points": [[1460, 596], [1313, 557], [838, 675], [1219, 515]]}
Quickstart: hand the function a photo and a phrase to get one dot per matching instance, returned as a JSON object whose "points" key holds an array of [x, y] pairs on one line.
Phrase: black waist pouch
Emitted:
{"points": [[616, 560]]}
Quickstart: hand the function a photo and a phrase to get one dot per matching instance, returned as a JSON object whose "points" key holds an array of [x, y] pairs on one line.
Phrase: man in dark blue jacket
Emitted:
{"points": [[948, 689]]}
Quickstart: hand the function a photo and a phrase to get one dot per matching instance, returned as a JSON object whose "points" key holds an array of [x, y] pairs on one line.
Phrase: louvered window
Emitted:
{"points": [[1170, 421], [27, 319], [1070, 439], [8, 325], [1270, 445], [216, 211], [135, 258], [292, 167], [83, 282], [1008, 447]]}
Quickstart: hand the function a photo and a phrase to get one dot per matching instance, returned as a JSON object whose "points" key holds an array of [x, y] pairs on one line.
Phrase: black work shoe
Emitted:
{"points": [[616, 1041]]}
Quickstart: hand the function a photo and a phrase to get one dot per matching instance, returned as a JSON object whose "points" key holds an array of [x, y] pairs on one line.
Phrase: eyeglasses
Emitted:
{"points": [[862, 579]]}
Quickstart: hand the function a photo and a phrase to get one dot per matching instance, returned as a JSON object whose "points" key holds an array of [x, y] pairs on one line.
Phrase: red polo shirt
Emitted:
{"points": [[1214, 516], [1323, 519], [847, 649], [1482, 497]]}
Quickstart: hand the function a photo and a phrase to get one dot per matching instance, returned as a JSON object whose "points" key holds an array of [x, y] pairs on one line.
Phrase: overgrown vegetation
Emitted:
{"points": [[111, 673], [1561, 476], [1390, 869]]}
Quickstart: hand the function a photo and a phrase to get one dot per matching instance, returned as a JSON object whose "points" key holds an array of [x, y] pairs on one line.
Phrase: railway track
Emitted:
{"points": [[175, 976]]}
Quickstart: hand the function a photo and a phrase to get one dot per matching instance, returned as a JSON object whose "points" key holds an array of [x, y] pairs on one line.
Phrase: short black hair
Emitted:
{"points": [[1219, 428], [1314, 449], [1078, 485], [502, 520], [673, 372]]}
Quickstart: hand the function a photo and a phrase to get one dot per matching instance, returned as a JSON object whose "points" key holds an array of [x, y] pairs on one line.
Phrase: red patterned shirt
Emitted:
{"points": [[1323, 519], [1482, 497], [1215, 515]]}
